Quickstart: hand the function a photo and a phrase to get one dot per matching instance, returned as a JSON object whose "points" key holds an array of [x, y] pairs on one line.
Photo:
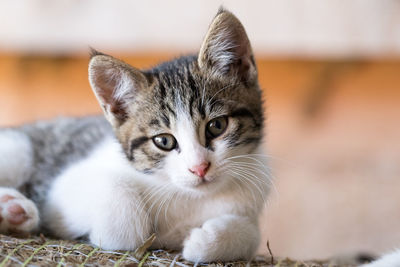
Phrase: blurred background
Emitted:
{"points": [[330, 72]]}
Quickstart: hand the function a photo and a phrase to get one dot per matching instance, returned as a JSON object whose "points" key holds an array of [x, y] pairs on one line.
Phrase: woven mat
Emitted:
{"points": [[41, 251]]}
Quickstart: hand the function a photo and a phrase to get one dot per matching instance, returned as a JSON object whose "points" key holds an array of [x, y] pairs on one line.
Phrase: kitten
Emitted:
{"points": [[178, 156]]}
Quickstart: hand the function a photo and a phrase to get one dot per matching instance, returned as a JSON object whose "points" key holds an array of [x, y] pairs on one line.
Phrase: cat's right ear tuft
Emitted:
{"points": [[93, 52], [116, 85], [221, 10]]}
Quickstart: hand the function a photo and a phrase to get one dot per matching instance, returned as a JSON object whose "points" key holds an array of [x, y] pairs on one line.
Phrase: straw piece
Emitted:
{"points": [[144, 259], [88, 257], [13, 251], [33, 254]]}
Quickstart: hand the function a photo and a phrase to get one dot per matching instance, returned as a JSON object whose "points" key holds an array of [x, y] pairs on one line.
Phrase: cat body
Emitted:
{"points": [[178, 155]]}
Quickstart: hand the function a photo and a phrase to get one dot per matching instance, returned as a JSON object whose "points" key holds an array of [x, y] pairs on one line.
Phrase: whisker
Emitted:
{"points": [[153, 194], [234, 176], [243, 175], [267, 157], [173, 196], [160, 201], [269, 178]]}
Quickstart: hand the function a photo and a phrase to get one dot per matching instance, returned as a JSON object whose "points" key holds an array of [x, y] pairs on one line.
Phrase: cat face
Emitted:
{"points": [[184, 120]]}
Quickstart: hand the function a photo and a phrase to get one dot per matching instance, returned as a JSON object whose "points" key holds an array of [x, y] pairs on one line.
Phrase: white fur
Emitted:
{"points": [[15, 158], [388, 260], [204, 243]]}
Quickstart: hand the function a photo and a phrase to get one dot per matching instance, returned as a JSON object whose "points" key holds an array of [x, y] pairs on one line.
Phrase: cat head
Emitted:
{"points": [[185, 120]]}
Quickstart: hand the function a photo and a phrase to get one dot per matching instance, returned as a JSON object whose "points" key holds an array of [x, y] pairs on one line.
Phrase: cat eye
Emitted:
{"points": [[216, 127], [165, 142]]}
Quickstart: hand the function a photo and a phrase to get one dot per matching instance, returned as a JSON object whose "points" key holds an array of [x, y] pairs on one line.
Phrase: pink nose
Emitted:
{"points": [[200, 170]]}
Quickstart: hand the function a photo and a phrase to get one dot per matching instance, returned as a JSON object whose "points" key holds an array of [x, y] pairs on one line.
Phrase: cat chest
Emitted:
{"points": [[173, 223]]}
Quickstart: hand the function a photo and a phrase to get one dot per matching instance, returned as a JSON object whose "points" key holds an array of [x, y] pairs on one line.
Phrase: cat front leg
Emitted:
{"points": [[17, 213], [123, 225], [98, 197], [110, 214], [224, 238]]}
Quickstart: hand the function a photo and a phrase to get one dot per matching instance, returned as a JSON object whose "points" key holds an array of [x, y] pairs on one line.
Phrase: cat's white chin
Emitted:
{"points": [[198, 187]]}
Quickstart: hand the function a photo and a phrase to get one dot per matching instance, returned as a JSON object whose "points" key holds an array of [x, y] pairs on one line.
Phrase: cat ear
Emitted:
{"points": [[115, 85], [226, 50]]}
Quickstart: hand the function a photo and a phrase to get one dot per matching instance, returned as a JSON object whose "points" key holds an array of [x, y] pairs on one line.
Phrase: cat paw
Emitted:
{"points": [[206, 244], [196, 247], [224, 238], [17, 213]]}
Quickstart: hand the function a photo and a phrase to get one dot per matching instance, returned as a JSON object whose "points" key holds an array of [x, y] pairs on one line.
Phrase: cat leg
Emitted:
{"points": [[16, 158], [228, 237], [105, 210], [98, 197], [17, 213], [122, 223]]}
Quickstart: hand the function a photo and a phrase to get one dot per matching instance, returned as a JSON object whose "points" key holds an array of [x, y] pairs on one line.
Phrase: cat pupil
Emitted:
{"points": [[164, 141]]}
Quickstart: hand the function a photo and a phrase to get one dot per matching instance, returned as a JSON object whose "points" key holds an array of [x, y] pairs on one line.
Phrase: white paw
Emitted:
{"points": [[17, 213], [209, 243], [224, 238], [198, 247]]}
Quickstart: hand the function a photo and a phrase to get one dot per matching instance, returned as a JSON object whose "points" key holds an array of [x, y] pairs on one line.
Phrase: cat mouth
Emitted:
{"points": [[204, 181], [198, 183]]}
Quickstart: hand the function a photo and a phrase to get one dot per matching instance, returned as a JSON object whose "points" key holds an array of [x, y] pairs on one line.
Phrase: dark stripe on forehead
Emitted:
{"points": [[154, 122], [192, 84], [191, 101], [162, 89], [171, 110], [165, 120], [171, 90], [167, 81], [202, 110]]}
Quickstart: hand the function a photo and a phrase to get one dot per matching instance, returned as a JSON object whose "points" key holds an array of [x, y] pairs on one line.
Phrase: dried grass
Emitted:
{"points": [[41, 251]]}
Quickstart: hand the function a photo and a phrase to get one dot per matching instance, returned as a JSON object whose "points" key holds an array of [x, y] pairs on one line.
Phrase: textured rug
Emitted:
{"points": [[41, 251]]}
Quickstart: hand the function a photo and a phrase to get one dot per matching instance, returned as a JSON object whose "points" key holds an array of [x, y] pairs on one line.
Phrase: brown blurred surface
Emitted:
{"points": [[332, 133]]}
